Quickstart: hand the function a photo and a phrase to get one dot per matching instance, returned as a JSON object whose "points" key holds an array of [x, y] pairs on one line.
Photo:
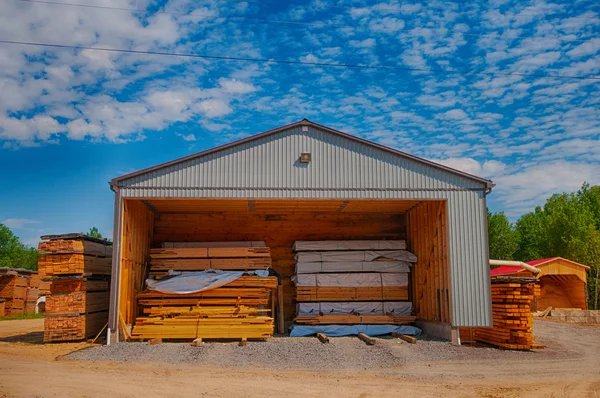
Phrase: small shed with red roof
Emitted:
{"points": [[563, 282]]}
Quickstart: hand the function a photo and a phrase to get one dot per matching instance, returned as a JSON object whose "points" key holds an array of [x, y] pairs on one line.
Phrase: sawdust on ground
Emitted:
{"points": [[570, 366]]}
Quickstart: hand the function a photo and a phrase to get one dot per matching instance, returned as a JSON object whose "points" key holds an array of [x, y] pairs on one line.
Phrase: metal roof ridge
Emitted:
{"points": [[303, 122]]}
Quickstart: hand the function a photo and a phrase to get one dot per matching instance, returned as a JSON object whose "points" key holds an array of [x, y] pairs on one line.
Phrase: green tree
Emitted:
{"points": [[13, 253], [532, 234], [503, 237], [94, 233]]}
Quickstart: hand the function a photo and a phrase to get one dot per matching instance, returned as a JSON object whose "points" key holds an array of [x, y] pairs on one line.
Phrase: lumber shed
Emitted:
{"points": [[563, 282], [305, 181]]}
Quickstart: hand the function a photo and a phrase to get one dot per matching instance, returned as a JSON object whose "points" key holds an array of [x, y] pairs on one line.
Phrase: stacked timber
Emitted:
{"points": [[236, 310], [2, 308], [511, 312], [198, 256], [353, 282], [13, 289], [75, 269]]}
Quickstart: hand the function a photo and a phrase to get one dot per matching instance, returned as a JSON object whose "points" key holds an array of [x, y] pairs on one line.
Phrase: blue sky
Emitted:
{"points": [[70, 120]]}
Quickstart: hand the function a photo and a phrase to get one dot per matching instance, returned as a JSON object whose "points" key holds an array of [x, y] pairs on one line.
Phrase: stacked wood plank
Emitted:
{"points": [[77, 269], [2, 307], [202, 258], [13, 289], [511, 312], [236, 310], [333, 274]]}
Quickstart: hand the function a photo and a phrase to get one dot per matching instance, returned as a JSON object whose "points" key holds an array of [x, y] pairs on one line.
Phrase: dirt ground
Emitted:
{"points": [[568, 367]]}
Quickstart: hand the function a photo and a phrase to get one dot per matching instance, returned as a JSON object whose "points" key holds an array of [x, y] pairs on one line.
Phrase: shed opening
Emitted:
{"points": [[147, 223]]}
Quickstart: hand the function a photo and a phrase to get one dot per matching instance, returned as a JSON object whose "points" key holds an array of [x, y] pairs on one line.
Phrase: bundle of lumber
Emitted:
{"points": [[75, 271], [511, 313], [2, 307], [13, 289], [203, 257], [238, 309], [352, 282], [351, 319], [222, 322]]}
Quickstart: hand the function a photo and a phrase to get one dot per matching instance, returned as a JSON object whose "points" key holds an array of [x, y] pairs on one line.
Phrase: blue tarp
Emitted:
{"points": [[194, 282], [352, 330]]}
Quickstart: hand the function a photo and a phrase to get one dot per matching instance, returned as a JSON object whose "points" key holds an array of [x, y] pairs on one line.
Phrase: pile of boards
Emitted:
{"points": [[78, 269], [353, 282], [18, 290], [237, 310], [512, 301]]}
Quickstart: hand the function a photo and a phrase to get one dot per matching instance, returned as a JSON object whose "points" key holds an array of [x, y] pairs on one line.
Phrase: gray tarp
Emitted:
{"points": [[354, 256], [351, 280], [325, 245], [200, 281], [359, 266], [401, 308]]}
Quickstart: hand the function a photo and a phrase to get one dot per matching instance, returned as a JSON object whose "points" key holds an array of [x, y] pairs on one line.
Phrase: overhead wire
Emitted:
{"points": [[300, 23], [293, 62]]}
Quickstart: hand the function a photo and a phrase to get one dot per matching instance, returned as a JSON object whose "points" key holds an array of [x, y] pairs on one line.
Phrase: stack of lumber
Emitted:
{"points": [[77, 270], [13, 289], [351, 282], [198, 258], [2, 307], [236, 310], [511, 312]]}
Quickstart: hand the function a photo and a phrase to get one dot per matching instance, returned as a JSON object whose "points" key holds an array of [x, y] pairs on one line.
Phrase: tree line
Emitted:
{"points": [[568, 225]]}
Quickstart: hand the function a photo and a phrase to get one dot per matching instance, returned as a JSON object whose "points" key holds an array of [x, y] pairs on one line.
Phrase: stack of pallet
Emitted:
{"points": [[13, 289], [352, 282], [78, 268], [511, 311], [236, 310]]}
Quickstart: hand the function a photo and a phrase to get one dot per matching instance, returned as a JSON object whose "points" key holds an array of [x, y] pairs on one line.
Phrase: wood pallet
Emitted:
{"points": [[325, 293], [73, 264], [77, 302], [511, 315], [344, 319], [73, 327]]}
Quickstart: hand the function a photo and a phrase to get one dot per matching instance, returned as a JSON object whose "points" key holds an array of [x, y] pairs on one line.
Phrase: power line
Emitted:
{"points": [[298, 23], [290, 62]]}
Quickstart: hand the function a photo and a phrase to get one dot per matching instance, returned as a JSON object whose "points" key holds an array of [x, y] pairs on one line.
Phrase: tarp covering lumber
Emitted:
{"points": [[350, 256], [325, 245], [357, 266], [194, 282], [402, 308], [351, 280], [353, 330]]}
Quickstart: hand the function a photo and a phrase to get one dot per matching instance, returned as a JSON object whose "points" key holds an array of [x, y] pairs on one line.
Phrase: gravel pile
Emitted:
{"points": [[302, 353]]}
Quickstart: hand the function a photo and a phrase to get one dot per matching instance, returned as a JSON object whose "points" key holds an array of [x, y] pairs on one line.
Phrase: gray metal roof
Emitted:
{"points": [[136, 177]]}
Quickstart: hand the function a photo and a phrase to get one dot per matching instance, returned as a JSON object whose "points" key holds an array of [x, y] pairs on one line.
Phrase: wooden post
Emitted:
{"points": [[366, 339], [408, 339], [280, 320], [323, 338]]}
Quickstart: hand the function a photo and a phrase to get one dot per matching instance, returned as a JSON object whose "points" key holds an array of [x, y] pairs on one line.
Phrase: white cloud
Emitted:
{"points": [[18, 223], [189, 137]]}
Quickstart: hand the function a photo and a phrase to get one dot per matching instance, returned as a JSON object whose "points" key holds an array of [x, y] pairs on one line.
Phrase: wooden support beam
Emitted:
{"points": [[546, 312], [154, 341], [243, 342], [280, 312], [408, 339], [99, 333], [323, 338], [366, 339]]}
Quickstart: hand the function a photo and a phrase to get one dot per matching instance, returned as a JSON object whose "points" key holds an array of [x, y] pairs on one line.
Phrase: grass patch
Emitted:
{"points": [[22, 316]]}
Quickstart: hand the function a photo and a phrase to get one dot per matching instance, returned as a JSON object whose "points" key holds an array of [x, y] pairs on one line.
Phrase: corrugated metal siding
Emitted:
{"points": [[268, 167], [272, 161]]}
